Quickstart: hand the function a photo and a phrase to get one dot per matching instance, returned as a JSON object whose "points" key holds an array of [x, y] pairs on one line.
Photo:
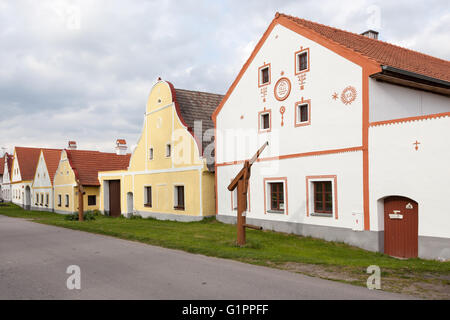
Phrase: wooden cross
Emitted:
{"points": [[241, 183]]}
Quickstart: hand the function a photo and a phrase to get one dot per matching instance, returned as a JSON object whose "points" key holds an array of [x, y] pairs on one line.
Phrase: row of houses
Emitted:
{"points": [[358, 147]]}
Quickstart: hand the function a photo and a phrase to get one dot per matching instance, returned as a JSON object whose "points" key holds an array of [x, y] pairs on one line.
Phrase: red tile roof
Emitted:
{"points": [[382, 52], [52, 158], [28, 159], [87, 164]]}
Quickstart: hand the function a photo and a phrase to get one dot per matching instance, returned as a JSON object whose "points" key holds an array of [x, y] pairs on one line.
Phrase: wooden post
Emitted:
{"points": [[80, 201], [241, 182]]}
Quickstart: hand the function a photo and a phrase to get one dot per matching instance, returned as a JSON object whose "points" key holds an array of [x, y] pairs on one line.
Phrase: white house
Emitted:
{"points": [[358, 140], [5, 171], [42, 187]]}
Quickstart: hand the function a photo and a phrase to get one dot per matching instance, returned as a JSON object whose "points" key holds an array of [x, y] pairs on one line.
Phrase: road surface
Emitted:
{"points": [[34, 259]]}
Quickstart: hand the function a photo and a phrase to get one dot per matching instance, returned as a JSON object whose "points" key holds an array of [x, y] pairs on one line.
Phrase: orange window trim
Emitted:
{"points": [[269, 111], [296, 64], [260, 85], [306, 123], [334, 178], [284, 179]]}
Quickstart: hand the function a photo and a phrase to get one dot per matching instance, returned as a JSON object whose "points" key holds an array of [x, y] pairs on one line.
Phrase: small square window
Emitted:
{"points": [[264, 75], [92, 200], [302, 61], [275, 196], [265, 122], [179, 198]]}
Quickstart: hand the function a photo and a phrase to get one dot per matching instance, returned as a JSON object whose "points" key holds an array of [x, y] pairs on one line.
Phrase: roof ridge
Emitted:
{"points": [[360, 35], [218, 94]]}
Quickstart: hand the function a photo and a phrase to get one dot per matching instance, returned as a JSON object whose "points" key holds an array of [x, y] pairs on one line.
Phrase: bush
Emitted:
{"points": [[87, 216]]}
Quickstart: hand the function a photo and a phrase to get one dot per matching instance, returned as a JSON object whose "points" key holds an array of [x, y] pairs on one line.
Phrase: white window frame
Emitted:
{"points": [[268, 196], [311, 197], [145, 196]]}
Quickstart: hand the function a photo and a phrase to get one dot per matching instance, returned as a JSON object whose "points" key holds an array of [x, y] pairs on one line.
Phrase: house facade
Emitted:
{"points": [[171, 171], [78, 170], [7, 161], [42, 186], [22, 174], [351, 122]]}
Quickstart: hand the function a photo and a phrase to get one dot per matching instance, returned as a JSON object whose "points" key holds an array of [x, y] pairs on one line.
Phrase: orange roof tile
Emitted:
{"points": [[28, 159], [87, 164], [382, 52], [52, 158]]}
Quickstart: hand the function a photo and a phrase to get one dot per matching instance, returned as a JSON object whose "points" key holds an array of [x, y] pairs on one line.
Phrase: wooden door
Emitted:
{"points": [[114, 198], [400, 227]]}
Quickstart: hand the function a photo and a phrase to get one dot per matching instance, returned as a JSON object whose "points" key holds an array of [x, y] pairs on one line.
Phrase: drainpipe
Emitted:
{"points": [[80, 200]]}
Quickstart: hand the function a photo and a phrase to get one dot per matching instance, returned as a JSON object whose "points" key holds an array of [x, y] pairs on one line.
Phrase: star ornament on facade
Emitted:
{"points": [[335, 96]]}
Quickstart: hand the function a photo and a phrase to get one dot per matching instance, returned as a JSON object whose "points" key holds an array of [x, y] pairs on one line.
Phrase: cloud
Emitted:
{"points": [[82, 70]]}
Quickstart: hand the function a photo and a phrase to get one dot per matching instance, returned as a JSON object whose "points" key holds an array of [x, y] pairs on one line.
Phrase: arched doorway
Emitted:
{"points": [[27, 198], [129, 204], [401, 230]]}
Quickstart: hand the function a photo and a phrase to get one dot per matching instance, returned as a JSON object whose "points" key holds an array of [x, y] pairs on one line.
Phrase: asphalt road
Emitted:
{"points": [[34, 259]]}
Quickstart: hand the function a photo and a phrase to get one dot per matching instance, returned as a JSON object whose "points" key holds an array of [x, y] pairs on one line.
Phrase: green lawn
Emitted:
{"points": [[213, 238]]}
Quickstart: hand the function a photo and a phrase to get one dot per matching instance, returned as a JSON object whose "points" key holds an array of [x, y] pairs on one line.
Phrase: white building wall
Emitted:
{"points": [[333, 124], [397, 168], [42, 185], [388, 101], [346, 166]]}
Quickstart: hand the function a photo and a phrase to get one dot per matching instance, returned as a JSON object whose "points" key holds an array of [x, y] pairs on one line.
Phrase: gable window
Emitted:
{"points": [[92, 200], [303, 113], [67, 200], [168, 150], [264, 75], [150, 154], [322, 196], [59, 200], [179, 198], [302, 61], [148, 197], [275, 195], [265, 122]]}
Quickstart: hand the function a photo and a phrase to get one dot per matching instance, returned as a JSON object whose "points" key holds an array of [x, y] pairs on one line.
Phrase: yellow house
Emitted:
{"points": [[79, 168], [171, 171]]}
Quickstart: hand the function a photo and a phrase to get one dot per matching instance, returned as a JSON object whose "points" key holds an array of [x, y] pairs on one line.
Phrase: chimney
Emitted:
{"points": [[121, 146], [72, 145], [370, 34]]}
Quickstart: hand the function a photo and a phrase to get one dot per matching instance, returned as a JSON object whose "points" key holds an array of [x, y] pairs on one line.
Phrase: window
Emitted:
{"points": [[323, 197], [302, 61], [46, 199], [42, 199], [59, 200], [275, 195], [148, 197], [264, 75], [92, 200], [302, 113], [265, 121], [179, 198], [168, 150], [150, 154], [67, 200]]}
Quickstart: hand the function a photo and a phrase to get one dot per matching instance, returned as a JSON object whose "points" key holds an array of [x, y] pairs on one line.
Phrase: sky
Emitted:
{"points": [[82, 70]]}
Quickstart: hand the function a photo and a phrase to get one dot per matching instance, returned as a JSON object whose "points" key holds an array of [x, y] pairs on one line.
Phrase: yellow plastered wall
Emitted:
{"points": [[185, 167]]}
